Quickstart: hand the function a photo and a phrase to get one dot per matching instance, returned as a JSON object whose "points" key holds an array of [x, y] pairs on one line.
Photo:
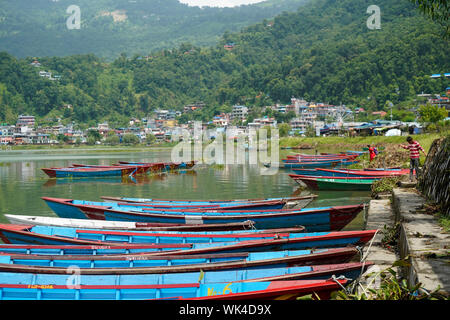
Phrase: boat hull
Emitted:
{"points": [[296, 241], [343, 184], [313, 219], [212, 291], [151, 264]]}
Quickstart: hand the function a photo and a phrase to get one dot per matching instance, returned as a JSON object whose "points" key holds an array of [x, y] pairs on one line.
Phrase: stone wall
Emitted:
{"points": [[434, 182]]}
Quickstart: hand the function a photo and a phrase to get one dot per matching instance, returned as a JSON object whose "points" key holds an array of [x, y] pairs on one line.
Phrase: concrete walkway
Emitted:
{"points": [[379, 215], [422, 240]]}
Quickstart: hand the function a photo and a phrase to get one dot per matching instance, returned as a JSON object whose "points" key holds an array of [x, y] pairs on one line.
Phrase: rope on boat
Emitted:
{"points": [[363, 260], [368, 249], [335, 279]]}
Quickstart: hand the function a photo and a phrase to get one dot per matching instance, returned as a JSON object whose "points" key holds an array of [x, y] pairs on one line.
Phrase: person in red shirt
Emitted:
{"points": [[414, 147], [372, 152]]}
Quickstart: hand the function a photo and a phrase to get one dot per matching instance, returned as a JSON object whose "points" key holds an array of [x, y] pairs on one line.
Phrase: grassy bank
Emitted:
{"points": [[391, 156], [356, 143]]}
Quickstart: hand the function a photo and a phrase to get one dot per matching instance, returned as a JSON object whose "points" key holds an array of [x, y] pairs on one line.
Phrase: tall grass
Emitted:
{"points": [[342, 142]]}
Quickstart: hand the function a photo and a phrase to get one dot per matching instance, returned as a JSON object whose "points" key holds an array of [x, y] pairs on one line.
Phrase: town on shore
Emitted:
{"points": [[299, 118]]}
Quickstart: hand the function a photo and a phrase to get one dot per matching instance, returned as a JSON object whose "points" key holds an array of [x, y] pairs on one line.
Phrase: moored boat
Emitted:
{"points": [[293, 241], [350, 270], [138, 237], [125, 225], [153, 264], [350, 172], [212, 291], [205, 202], [137, 169], [149, 251], [163, 166], [87, 172], [313, 219], [324, 164], [336, 183], [59, 205]]}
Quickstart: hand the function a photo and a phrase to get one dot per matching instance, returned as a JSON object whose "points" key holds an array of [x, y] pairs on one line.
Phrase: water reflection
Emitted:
{"points": [[140, 179], [22, 183]]}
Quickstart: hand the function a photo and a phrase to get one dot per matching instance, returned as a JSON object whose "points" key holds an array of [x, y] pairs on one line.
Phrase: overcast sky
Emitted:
{"points": [[219, 3]]}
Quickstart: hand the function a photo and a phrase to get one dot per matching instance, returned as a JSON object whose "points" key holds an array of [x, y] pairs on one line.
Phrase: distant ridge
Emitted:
{"points": [[110, 27]]}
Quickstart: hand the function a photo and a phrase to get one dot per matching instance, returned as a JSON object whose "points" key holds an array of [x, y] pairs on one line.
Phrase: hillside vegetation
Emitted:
{"points": [[111, 27], [324, 52]]}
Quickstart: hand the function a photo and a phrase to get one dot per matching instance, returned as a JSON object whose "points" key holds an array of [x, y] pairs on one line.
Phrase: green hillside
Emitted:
{"points": [[110, 27], [324, 52]]}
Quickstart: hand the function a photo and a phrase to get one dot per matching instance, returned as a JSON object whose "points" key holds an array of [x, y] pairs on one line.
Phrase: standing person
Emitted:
{"points": [[371, 152], [414, 147]]}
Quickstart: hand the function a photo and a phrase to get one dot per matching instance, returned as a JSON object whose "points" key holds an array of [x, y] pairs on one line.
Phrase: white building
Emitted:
{"points": [[239, 112]]}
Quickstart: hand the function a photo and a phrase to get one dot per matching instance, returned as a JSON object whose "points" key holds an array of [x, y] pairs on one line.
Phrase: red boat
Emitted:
{"points": [[141, 169], [360, 173], [163, 166]]}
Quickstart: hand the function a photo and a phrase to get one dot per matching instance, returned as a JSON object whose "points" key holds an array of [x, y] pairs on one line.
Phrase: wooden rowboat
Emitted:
{"points": [[152, 264], [88, 172], [194, 291], [360, 173], [206, 202], [294, 241], [125, 225], [336, 183], [160, 237], [313, 219], [349, 270], [62, 204], [157, 251], [349, 172], [163, 166], [30, 248], [137, 169], [325, 164]]}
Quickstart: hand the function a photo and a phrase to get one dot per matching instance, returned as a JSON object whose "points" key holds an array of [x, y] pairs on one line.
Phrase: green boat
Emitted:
{"points": [[336, 183]]}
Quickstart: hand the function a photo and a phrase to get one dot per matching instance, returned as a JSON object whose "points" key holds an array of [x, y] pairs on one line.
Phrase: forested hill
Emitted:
{"points": [[324, 52], [110, 27]]}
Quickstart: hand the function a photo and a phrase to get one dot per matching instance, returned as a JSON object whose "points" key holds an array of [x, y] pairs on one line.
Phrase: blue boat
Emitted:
{"points": [[192, 291], [156, 237], [328, 164], [322, 172], [87, 250], [201, 202], [349, 270], [240, 206], [306, 172], [299, 160], [293, 241], [352, 152], [151, 264], [84, 172], [313, 219]]}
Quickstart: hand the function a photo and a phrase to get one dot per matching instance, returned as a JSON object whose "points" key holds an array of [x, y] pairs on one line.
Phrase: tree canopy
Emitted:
{"points": [[323, 52]]}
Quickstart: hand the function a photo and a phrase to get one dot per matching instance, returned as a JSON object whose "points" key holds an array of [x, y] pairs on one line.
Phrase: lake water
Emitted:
{"points": [[23, 183]]}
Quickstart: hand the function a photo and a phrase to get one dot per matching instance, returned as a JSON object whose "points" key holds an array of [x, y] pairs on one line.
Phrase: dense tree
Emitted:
{"points": [[130, 138], [432, 113], [322, 52], [437, 10]]}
